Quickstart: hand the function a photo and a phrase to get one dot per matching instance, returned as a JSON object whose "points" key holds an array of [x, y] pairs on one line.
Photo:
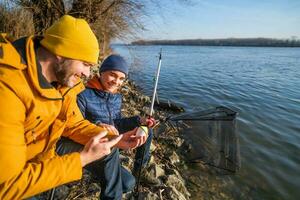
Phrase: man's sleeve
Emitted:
{"points": [[20, 178], [78, 129]]}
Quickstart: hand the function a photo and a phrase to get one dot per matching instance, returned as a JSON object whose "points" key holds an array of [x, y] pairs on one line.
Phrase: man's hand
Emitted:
{"points": [[130, 140], [97, 147], [150, 122], [109, 128]]}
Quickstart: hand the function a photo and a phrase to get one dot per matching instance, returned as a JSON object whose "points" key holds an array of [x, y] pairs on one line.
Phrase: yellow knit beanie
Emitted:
{"points": [[72, 38]]}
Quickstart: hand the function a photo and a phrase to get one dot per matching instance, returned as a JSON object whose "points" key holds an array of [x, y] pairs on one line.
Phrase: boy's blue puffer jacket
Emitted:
{"points": [[99, 106]]}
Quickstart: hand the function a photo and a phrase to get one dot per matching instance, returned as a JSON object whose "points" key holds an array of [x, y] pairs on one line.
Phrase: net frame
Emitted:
{"points": [[215, 131]]}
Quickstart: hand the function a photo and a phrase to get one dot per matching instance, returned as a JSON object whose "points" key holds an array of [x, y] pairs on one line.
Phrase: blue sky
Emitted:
{"points": [[224, 19]]}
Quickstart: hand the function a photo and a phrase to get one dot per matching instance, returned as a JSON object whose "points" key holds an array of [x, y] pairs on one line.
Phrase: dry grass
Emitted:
{"points": [[15, 21]]}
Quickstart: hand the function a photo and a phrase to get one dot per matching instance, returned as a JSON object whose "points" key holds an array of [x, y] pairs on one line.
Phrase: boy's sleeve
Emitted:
{"points": [[126, 124], [81, 102]]}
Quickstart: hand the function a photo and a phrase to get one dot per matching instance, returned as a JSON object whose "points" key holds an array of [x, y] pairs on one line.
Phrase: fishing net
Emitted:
{"points": [[213, 137]]}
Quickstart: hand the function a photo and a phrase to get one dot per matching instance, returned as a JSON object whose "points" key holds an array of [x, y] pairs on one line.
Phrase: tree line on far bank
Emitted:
{"points": [[251, 42]]}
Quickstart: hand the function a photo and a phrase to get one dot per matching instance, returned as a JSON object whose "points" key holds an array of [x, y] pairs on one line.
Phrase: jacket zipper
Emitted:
{"points": [[109, 112], [33, 131]]}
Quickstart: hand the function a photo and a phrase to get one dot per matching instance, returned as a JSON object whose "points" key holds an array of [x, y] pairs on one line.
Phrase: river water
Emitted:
{"points": [[262, 84]]}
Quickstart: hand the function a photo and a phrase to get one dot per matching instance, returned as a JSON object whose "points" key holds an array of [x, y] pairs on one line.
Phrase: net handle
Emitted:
{"points": [[230, 115]]}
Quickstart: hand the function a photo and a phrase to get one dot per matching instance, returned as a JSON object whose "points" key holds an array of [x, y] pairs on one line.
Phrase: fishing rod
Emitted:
{"points": [[141, 129], [155, 84]]}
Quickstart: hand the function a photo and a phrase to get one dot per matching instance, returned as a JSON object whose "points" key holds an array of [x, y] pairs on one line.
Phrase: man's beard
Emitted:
{"points": [[62, 73]]}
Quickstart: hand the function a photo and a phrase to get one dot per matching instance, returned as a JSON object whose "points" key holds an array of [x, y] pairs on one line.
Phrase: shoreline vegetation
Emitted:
{"points": [[235, 42]]}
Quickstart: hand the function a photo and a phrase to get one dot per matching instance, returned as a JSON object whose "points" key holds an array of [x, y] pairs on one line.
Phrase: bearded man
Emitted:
{"points": [[39, 81]]}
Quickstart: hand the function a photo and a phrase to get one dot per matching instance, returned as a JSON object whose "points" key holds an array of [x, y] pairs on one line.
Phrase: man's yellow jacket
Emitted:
{"points": [[33, 116]]}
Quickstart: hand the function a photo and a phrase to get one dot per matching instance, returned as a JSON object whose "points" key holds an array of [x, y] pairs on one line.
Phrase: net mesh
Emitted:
{"points": [[213, 136]]}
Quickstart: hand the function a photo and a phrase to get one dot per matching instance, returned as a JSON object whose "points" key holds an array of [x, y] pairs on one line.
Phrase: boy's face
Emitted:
{"points": [[112, 80]]}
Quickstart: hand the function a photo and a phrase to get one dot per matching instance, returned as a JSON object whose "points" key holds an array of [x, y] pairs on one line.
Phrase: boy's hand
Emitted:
{"points": [[130, 140], [150, 122]]}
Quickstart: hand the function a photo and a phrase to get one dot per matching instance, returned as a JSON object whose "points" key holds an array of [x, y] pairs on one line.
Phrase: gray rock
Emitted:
{"points": [[127, 196], [135, 97], [61, 192], [172, 171], [172, 193], [136, 112], [151, 161], [174, 158], [152, 147], [94, 187], [173, 180], [132, 102], [141, 98], [148, 196], [178, 142], [146, 109], [146, 99], [125, 91], [123, 110], [125, 160], [156, 170], [142, 196]]}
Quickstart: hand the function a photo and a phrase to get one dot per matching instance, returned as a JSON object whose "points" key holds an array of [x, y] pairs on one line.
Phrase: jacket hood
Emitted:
{"points": [[34, 69], [12, 58], [94, 83]]}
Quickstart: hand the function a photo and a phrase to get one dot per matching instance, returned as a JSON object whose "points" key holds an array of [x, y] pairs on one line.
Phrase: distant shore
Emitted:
{"points": [[239, 42]]}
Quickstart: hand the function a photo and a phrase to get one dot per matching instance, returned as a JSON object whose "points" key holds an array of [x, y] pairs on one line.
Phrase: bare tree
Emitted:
{"points": [[110, 19], [44, 12], [15, 20]]}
